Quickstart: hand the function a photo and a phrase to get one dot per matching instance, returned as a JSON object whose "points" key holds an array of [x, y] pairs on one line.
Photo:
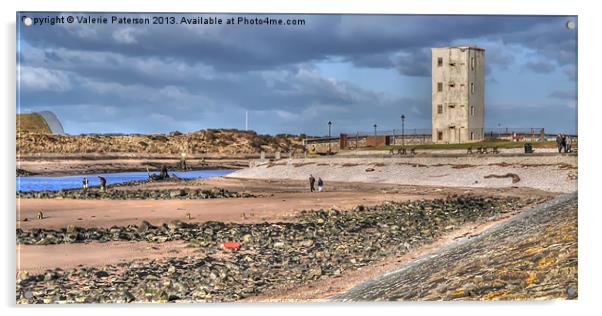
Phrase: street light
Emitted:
{"points": [[403, 117], [374, 129], [329, 143]]}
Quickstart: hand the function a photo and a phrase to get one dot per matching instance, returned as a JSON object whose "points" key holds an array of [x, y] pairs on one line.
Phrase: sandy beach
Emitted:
{"points": [[37, 259], [553, 173], [281, 195]]}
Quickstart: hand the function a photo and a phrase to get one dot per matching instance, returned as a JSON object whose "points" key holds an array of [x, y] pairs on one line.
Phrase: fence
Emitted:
{"points": [[362, 134], [413, 136]]}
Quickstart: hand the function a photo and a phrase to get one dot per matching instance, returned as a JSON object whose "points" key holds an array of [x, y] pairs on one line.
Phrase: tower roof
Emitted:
{"points": [[474, 47]]}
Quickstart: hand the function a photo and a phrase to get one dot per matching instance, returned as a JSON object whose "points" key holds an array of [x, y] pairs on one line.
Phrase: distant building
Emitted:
{"points": [[44, 122], [458, 91]]}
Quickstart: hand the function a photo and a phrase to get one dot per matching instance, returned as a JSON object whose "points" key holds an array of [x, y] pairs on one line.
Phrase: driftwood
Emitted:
{"points": [[514, 176]]}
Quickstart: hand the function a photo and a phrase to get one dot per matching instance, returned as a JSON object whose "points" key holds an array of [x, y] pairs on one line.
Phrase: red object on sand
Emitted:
{"points": [[232, 244]]}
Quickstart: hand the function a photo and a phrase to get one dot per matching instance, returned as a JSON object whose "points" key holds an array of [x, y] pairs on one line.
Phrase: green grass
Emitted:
{"points": [[488, 143]]}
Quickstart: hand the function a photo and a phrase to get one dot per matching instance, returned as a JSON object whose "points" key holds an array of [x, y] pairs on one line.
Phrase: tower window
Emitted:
{"points": [[473, 63], [472, 110], [471, 135], [439, 135], [472, 87], [452, 85], [439, 86], [439, 62], [440, 109]]}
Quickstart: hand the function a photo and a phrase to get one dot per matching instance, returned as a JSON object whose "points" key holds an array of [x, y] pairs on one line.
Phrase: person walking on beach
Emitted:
{"points": [[564, 142], [559, 142], [163, 174], [86, 184], [103, 184], [312, 181], [320, 185], [569, 144]]}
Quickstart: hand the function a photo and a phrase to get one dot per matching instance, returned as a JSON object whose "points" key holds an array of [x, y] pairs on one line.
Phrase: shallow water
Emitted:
{"points": [[73, 182]]}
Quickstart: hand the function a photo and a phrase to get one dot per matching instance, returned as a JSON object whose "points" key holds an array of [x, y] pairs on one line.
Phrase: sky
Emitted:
{"points": [[352, 70]]}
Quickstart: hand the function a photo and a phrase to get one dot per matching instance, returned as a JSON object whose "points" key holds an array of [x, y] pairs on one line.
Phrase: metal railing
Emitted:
{"points": [[530, 133]]}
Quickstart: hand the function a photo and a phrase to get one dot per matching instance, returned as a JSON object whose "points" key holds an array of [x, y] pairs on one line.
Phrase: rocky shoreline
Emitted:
{"points": [[138, 194], [321, 244]]}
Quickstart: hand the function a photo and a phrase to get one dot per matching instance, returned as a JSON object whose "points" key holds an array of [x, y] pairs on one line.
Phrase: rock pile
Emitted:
{"points": [[322, 244], [138, 194]]}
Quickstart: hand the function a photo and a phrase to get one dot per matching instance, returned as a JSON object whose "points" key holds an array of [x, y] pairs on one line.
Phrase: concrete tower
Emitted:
{"points": [[458, 93]]}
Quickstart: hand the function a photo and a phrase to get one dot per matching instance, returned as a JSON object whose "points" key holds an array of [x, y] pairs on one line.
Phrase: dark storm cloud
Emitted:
{"points": [[416, 63], [359, 38], [165, 77], [381, 60]]}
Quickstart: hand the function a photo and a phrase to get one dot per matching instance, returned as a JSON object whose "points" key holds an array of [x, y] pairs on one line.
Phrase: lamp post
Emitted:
{"points": [[329, 142], [403, 118], [374, 129]]}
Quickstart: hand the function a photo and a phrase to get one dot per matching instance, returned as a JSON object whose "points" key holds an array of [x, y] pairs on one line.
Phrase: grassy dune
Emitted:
{"points": [[32, 123], [220, 141]]}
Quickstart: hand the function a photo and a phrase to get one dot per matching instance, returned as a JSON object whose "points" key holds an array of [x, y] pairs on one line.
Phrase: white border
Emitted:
{"points": [[589, 117]]}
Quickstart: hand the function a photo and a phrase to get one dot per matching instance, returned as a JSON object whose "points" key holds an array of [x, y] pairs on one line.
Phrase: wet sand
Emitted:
{"points": [[37, 259], [279, 200], [106, 213]]}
